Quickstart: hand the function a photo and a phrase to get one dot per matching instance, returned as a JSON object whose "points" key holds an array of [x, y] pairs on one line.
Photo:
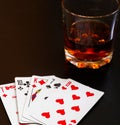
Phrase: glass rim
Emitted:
{"points": [[99, 16]]}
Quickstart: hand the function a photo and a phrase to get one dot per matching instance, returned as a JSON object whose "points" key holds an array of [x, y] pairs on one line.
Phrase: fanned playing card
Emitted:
{"points": [[22, 88], [37, 82], [8, 97], [54, 83], [65, 106]]}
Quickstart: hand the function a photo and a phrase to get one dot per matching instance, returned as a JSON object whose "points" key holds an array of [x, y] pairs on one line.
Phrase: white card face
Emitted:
{"points": [[67, 105], [50, 109], [86, 95], [22, 87], [8, 97], [54, 83], [37, 82]]}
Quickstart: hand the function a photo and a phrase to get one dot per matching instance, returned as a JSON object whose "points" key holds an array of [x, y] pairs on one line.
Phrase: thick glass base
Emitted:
{"points": [[88, 64]]}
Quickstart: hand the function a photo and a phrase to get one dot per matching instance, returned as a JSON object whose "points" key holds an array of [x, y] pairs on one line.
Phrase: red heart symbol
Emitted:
{"points": [[61, 111], [76, 108], [60, 101], [4, 95], [73, 87], [62, 122], [46, 114], [64, 88], [73, 121], [89, 94], [75, 97]]}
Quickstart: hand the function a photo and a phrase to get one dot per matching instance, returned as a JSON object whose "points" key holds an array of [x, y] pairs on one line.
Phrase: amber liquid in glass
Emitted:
{"points": [[88, 44]]}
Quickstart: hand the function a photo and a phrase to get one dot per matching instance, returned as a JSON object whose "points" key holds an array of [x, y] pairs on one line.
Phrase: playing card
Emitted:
{"points": [[54, 83], [83, 98], [36, 84], [65, 106], [8, 97], [22, 88]]}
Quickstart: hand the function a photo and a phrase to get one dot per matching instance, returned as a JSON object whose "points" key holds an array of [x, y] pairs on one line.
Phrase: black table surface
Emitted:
{"points": [[31, 43]]}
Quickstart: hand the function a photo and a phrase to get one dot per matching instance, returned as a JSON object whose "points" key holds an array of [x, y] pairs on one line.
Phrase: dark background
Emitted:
{"points": [[31, 43]]}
